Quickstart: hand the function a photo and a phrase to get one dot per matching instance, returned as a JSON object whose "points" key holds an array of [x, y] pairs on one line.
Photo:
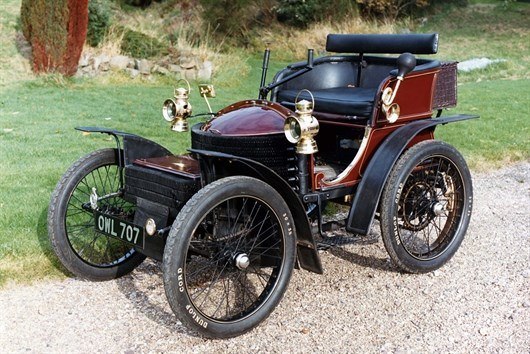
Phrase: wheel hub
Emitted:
{"points": [[242, 261], [438, 208], [417, 209]]}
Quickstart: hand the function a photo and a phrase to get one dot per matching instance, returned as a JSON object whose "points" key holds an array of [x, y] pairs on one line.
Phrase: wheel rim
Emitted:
{"points": [[430, 208], [234, 259], [90, 246]]}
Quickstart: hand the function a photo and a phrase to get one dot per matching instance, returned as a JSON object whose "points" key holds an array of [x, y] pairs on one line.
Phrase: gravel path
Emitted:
{"points": [[480, 301]]}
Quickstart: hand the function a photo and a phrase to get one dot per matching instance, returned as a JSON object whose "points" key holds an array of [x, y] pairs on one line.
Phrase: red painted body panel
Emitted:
{"points": [[414, 97], [250, 117]]}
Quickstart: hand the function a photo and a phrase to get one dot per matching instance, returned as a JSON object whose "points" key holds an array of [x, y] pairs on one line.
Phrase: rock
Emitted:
{"points": [[104, 58], [526, 273], [190, 74], [96, 62], [478, 63], [132, 64], [104, 66], [526, 304], [187, 63], [84, 60], [132, 72], [144, 66], [119, 62], [160, 70], [174, 68], [205, 71]]}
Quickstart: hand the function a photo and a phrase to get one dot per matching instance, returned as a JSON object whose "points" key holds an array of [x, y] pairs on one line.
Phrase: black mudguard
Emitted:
{"points": [[215, 165], [369, 191], [134, 146]]}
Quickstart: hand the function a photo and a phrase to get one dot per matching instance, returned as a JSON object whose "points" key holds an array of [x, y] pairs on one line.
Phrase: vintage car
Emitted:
{"points": [[231, 219]]}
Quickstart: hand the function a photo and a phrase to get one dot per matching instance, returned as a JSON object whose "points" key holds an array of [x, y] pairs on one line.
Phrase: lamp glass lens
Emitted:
{"points": [[170, 110], [295, 129]]}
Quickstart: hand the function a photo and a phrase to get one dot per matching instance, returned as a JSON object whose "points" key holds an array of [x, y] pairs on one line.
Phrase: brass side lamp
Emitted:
{"points": [[178, 108], [302, 129]]}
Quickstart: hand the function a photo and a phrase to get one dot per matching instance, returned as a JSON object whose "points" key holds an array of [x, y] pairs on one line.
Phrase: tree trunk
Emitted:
{"points": [[56, 31]]}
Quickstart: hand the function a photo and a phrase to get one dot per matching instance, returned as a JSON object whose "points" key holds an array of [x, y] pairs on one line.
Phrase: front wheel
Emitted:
{"points": [[229, 257], [71, 226], [426, 206]]}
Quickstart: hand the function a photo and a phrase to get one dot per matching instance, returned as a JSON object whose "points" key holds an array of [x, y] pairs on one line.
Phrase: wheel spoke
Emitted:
{"points": [[241, 226], [94, 248], [435, 183]]}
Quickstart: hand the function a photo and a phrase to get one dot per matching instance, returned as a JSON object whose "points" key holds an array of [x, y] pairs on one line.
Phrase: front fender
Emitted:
{"points": [[215, 165], [369, 191], [134, 146]]}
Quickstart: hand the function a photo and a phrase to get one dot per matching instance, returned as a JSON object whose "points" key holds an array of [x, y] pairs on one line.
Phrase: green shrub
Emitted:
{"points": [[98, 21], [299, 13], [140, 45], [138, 3], [236, 18], [393, 9]]}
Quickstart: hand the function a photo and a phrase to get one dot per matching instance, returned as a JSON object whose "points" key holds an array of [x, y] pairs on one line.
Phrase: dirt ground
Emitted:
{"points": [[478, 302]]}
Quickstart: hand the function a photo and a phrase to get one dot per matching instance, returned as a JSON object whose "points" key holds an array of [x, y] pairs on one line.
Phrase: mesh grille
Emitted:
{"points": [[271, 150], [445, 90]]}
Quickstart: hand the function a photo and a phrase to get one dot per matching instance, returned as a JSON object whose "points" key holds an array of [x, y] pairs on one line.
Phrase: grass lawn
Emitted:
{"points": [[37, 117]]}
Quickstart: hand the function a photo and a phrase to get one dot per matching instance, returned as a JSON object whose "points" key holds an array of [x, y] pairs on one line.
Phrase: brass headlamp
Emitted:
{"points": [[178, 108], [301, 130]]}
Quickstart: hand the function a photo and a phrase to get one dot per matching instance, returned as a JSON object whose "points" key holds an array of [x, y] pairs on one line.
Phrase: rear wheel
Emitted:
{"points": [[426, 207], [229, 257], [71, 226]]}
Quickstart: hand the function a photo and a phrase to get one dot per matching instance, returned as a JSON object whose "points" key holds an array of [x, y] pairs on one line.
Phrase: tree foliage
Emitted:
{"points": [[301, 13], [56, 31], [99, 21], [140, 45], [393, 9]]}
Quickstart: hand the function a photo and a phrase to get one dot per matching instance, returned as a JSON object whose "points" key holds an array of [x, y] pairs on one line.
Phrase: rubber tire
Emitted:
{"points": [[402, 259], [178, 242], [56, 222]]}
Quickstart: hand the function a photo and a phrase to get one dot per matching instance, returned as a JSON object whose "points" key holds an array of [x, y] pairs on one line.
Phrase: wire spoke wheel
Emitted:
{"points": [[430, 208], [94, 180], [230, 270], [426, 206], [93, 247]]}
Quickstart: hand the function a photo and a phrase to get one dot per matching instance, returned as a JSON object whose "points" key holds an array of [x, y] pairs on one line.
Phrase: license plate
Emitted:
{"points": [[120, 229]]}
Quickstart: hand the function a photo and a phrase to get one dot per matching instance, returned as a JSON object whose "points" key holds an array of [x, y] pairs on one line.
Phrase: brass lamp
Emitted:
{"points": [[178, 108], [301, 130]]}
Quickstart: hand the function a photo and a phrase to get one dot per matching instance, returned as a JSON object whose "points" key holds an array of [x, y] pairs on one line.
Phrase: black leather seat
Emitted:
{"points": [[354, 102]]}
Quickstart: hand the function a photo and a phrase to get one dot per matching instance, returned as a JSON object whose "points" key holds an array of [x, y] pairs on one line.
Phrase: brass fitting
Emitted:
{"points": [[390, 108], [178, 108], [302, 129]]}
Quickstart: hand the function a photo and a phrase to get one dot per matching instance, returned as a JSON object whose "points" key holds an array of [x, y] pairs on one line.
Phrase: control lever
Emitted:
{"points": [[309, 59], [264, 90]]}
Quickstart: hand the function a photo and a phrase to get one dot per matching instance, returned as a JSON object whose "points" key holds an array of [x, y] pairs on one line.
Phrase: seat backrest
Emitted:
{"points": [[383, 43]]}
